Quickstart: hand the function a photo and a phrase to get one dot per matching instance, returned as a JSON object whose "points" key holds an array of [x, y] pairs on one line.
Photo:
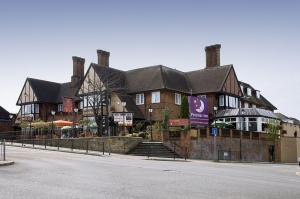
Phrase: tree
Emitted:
{"points": [[165, 119], [96, 91], [273, 130], [184, 109]]}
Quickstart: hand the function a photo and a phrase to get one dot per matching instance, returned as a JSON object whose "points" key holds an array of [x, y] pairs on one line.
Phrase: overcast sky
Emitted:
{"points": [[261, 40]]}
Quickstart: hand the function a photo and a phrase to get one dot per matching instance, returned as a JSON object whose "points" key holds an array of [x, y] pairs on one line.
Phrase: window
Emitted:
{"points": [[257, 94], [249, 92], [155, 97], [60, 108], [178, 98], [139, 99], [253, 106], [28, 109], [203, 96], [242, 88], [221, 100], [81, 105], [246, 105], [37, 108]]}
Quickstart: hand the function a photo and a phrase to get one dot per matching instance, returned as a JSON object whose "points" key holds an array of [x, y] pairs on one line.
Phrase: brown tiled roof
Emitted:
{"points": [[51, 92], [4, 114], [208, 80]]}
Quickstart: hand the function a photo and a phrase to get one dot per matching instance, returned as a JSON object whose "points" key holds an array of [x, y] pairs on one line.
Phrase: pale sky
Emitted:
{"points": [[261, 40]]}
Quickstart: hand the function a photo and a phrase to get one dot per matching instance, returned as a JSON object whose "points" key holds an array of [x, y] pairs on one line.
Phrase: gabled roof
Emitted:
{"points": [[208, 80], [4, 114], [262, 101], [51, 92]]}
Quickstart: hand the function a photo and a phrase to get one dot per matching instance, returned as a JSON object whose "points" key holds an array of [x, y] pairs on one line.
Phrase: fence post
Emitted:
{"points": [[103, 148], [185, 153], [22, 142], [33, 143], [87, 146], [72, 144], [174, 150], [58, 144], [4, 149], [45, 144]]}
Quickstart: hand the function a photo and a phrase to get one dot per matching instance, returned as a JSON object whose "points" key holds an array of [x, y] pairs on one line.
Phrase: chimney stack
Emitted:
{"points": [[78, 70], [213, 55], [103, 58]]}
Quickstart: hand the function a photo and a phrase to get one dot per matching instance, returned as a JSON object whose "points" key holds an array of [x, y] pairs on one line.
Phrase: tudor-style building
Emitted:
{"points": [[39, 98], [160, 87]]}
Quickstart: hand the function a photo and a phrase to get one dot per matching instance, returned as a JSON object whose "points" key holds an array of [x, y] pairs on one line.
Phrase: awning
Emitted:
{"points": [[61, 123]]}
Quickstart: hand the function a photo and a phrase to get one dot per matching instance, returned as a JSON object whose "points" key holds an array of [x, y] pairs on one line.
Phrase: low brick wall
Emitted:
{"points": [[202, 147], [116, 144]]}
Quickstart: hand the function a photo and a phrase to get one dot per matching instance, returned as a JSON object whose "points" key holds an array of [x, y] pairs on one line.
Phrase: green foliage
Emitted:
{"points": [[273, 130], [184, 109], [138, 126], [24, 124], [85, 122], [165, 117]]}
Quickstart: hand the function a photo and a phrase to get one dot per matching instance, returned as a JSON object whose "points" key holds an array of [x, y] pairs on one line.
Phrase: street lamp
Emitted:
{"points": [[123, 105], [215, 112], [30, 122], [242, 112], [11, 119], [75, 115], [150, 113], [52, 128]]}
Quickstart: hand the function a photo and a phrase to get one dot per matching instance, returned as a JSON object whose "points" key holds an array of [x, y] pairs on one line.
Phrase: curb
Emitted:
{"points": [[6, 163]]}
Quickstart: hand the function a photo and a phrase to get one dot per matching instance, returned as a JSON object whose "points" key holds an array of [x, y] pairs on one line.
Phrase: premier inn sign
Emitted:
{"points": [[198, 107]]}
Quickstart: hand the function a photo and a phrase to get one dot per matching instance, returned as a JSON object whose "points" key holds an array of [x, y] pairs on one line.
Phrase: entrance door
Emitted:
{"points": [[271, 153]]}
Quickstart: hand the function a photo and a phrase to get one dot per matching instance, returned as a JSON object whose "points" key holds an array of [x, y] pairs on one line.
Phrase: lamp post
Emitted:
{"points": [[215, 139], [75, 115], [150, 113], [123, 105], [242, 112], [11, 119], [52, 126]]}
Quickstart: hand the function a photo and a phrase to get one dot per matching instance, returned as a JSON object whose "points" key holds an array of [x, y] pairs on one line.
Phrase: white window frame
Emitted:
{"points": [[140, 99], [155, 97], [178, 98]]}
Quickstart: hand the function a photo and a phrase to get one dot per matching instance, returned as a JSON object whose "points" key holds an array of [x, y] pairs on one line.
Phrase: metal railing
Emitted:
{"points": [[2, 150], [63, 145]]}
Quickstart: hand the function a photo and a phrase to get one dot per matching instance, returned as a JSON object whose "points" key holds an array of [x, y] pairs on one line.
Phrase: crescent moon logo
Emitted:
{"points": [[201, 108]]}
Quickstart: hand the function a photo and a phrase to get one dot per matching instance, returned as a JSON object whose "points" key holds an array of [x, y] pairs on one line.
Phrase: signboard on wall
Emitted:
{"points": [[68, 104], [122, 118], [178, 122], [198, 107]]}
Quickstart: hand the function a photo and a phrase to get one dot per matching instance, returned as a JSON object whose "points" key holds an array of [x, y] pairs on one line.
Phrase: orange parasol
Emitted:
{"points": [[61, 123]]}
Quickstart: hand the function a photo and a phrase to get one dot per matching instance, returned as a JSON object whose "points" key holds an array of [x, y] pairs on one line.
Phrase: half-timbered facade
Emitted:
{"points": [[160, 87], [38, 98]]}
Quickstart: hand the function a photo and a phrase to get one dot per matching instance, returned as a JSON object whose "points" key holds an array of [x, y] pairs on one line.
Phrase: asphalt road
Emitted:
{"points": [[48, 174]]}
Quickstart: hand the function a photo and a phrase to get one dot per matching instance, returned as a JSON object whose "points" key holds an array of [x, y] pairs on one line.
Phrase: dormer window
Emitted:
{"points": [[249, 92], [257, 94]]}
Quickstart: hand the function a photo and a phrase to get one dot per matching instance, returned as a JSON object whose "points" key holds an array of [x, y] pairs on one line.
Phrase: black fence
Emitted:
{"points": [[228, 155], [64, 145]]}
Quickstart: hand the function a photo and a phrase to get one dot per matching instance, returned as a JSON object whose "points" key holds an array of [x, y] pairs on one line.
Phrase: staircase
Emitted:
{"points": [[153, 149]]}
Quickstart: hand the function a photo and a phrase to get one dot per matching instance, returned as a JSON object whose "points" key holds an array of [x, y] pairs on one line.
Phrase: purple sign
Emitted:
{"points": [[198, 110]]}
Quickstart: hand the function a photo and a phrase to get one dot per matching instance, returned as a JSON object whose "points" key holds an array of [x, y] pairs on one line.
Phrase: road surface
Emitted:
{"points": [[39, 174]]}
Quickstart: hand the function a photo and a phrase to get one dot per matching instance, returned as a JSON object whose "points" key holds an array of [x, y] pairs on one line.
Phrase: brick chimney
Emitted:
{"points": [[103, 58], [213, 55], [78, 70]]}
